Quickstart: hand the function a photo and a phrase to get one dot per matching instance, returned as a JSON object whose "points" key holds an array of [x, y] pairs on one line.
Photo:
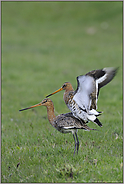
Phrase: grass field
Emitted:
{"points": [[45, 44]]}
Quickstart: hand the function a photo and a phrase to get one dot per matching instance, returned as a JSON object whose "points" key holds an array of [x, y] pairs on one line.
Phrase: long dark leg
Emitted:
{"points": [[77, 142]]}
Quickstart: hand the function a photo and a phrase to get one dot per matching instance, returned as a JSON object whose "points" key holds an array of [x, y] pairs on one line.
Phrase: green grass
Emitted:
{"points": [[45, 44]]}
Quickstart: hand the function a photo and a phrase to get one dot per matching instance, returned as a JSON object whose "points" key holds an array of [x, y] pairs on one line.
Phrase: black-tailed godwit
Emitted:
{"points": [[64, 123], [83, 101]]}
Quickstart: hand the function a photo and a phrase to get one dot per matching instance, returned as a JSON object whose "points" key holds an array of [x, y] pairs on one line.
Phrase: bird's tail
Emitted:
{"points": [[85, 127], [94, 120], [98, 122]]}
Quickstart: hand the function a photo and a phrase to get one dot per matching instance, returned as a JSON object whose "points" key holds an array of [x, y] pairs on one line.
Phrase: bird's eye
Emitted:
{"points": [[64, 85], [44, 101]]}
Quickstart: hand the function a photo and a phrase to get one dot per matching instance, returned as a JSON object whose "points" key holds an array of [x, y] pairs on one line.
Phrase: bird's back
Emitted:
{"points": [[67, 123]]}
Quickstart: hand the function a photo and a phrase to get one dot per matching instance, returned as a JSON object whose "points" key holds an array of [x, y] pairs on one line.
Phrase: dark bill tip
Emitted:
{"points": [[24, 109], [48, 95]]}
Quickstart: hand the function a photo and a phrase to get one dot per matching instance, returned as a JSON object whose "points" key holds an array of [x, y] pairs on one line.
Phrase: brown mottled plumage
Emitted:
{"points": [[64, 123]]}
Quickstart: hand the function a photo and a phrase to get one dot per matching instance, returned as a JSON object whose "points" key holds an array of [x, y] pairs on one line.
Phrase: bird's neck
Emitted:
{"points": [[51, 115], [68, 95]]}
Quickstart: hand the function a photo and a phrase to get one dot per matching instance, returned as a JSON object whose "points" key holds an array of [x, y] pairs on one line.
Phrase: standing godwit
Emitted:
{"points": [[64, 123], [83, 101]]}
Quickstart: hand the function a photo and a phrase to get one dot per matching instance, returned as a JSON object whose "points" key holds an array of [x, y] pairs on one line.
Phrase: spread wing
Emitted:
{"points": [[85, 92], [101, 77], [89, 85]]}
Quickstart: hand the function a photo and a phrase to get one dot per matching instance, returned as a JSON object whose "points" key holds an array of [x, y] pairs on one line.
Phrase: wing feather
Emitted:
{"points": [[86, 86]]}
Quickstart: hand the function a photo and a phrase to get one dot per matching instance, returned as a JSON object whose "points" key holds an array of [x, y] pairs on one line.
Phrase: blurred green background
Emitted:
{"points": [[45, 44]]}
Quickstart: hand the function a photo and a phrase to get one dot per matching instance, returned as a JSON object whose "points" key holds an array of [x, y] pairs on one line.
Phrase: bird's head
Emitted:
{"points": [[45, 102], [66, 86]]}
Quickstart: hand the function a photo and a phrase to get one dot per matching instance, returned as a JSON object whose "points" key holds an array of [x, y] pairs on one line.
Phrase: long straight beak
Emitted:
{"points": [[55, 92], [39, 104]]}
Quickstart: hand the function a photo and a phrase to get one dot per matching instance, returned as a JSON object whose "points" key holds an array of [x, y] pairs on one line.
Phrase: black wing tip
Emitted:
{"points": [[94, 129], [116, 69], [98, 122]]}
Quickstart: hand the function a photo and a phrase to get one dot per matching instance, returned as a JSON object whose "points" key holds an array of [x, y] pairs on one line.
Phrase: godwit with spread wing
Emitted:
{"points": [[83, 102], [64, 123]]}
